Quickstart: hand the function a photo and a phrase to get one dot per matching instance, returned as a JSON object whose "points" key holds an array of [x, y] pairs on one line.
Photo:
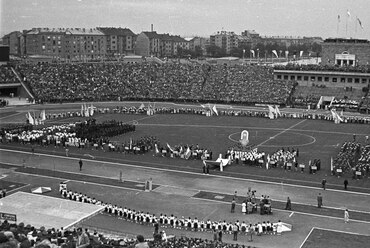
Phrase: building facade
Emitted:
{"points": [[224, 40], [346, 52], [75, 44], [119, 41], [159, 45], [328, 78]]}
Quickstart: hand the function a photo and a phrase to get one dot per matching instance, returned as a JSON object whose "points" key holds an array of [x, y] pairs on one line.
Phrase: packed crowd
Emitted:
{"points": [[352, 157], [14, 235], [302, 67], [7, 76], [190, 224], [166, 82]]}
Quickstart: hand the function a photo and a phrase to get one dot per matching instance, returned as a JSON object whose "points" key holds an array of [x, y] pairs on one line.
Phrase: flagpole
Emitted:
{"points": [[338, 27], [346, 25], [356, 27]]}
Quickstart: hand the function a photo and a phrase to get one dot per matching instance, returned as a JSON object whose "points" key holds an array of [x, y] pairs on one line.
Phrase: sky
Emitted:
{"points": [[189, 18]]}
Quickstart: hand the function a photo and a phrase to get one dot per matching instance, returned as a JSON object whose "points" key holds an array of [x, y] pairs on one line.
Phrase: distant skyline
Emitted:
{"points": [[189, 18]]}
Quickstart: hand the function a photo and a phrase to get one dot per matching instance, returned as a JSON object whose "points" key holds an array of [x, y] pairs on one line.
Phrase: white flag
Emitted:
{"points": [[215, 109], [300, 53], [252, 51], [275, 53], [43, 115]]}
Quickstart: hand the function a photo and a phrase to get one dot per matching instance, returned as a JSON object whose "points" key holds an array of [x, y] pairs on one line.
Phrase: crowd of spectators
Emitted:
{"points": [[7, 76], [166, 82], [302, 67]]}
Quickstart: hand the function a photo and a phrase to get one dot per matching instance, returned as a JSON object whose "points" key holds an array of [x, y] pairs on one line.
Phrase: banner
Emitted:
{"points": [[252, 51], [215, 109], [271, 112]]}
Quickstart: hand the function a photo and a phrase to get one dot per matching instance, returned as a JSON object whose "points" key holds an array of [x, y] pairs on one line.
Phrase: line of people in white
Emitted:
{"points": [[166, 221]]}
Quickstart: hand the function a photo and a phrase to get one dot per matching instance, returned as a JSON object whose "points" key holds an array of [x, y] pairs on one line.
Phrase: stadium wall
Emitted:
{"points": [[360, 50]]}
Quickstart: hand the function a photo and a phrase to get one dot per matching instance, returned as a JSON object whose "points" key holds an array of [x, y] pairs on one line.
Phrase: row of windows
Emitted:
{"points": [[324, 79]]}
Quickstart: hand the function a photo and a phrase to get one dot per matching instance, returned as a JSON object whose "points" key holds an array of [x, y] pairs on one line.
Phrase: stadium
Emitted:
{"points": [[182, 138], [111, 139]]}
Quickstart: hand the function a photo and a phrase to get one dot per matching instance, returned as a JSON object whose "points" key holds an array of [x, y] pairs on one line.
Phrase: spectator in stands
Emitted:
{"points": [[83, 239], [141, 242]]}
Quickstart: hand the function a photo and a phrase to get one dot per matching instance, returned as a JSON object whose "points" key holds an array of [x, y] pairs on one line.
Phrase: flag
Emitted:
{"points": [[149, 110], [252, 51], [214, 109], [188, 153], [268, 161], [338, 18], [86, 110], [275, 53], [130, 146], [300, 53], [82, 110], [359, 22], [286, 54], [277, 111], [43, 115], [271, 112], [156, 149], [91, 110], [169, 147], [331, 164], [142, 106], [348, 14], [30, 119]]}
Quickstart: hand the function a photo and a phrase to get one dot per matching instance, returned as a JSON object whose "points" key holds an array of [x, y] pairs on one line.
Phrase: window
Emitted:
{"points": [[286, 77], [299, 78], [319, 79], [305, 78], [313, 78], [278, 76], [349, 80], [342, 80], [292, 77], [363, 80], [334, 80], [357, 80], [326, 79]]}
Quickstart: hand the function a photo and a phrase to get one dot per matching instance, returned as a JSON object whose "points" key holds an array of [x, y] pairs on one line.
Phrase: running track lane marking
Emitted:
{"points": [[273, 137], [332, 230], [296, 212], [18, 113], [183, 172], [164, 185], [10, 191], [78, 181], [308, 235]]}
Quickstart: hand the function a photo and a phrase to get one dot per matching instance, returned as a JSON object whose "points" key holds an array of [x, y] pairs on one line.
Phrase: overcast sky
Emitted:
{"points": [[194, 17]]}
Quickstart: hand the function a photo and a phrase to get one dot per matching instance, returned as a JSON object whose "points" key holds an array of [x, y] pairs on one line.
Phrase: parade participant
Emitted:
{"points": [[288, 205], [319, 201], [346, 216]]}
